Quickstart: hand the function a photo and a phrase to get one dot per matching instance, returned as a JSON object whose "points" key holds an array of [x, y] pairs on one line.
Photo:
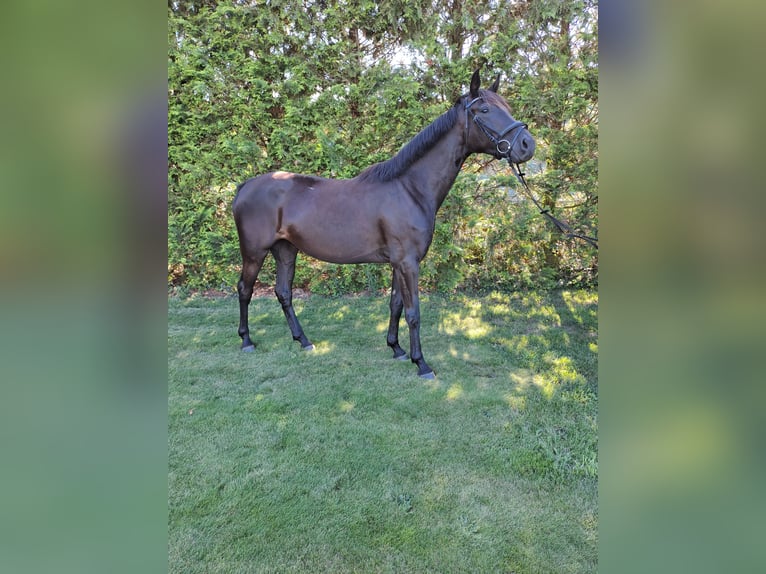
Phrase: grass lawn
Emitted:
{"points": [[343, 460]]}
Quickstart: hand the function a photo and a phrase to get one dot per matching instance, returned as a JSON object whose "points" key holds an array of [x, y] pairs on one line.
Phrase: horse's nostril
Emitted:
{"points": [[524, 143]]}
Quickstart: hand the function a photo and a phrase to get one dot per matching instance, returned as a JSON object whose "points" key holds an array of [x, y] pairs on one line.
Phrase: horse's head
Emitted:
{"points": [[489, 126]]}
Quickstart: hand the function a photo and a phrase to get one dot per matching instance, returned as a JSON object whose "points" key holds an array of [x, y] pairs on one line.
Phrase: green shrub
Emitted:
{"points": [[307, 90]]}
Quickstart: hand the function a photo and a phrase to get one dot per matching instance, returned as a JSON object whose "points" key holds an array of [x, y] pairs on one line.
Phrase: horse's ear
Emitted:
{"points": [[495, 85], [475, 83]]}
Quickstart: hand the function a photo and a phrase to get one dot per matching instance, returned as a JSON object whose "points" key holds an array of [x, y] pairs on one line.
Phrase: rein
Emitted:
{"points": [[562, 226], [504, 150]]}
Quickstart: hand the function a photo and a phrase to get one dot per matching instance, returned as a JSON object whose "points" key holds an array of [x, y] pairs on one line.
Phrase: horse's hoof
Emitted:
{"points": [[403, 357], [248, 349], [429, 375], [309, 347]]}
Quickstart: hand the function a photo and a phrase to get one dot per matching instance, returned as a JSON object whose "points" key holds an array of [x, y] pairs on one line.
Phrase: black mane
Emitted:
{"points": [[413, 150]]}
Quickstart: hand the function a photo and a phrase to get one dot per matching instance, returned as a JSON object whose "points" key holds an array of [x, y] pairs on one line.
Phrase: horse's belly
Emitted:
{"points": [[343, 250]]}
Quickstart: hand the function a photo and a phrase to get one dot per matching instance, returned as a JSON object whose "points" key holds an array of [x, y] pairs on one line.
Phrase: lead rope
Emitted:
{"points": [[563, 227]]}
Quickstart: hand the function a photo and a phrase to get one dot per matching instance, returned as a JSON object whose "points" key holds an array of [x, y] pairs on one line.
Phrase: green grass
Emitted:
{"points": [[343, 460]]}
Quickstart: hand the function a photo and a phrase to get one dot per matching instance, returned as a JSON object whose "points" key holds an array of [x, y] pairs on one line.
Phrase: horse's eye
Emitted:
{"points": [[484, 110]]}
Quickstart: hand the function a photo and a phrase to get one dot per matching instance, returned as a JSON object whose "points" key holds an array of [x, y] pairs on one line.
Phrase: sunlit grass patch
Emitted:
{"points": [[469, 321], [346, 406], [454, 392], [563, 370]]}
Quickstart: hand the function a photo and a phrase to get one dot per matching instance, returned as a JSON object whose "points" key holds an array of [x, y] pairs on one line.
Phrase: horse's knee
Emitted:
{"points": [[284, 296], [245, 292], [412, 316]]}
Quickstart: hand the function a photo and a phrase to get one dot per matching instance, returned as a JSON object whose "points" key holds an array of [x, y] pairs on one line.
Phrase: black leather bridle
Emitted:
{"points": [[503, 146]]}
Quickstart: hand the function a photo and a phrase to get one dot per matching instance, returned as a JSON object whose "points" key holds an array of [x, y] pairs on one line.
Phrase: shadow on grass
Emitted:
{"points": [[553, 335]]}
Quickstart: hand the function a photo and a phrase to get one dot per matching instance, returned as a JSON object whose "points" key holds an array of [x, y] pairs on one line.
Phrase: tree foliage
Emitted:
{"points": [[321, 87]]}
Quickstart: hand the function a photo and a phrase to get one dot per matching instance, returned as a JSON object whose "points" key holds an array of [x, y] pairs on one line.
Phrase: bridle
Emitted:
{"points": [[504, 147]]}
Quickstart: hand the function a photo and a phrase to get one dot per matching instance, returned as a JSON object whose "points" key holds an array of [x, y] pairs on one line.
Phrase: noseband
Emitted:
{"points": [[503, 146]]}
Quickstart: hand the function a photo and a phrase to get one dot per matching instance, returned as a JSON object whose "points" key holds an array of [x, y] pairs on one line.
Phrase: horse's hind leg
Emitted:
{"points": [[251, 265], [396, 305], [285, 254]]}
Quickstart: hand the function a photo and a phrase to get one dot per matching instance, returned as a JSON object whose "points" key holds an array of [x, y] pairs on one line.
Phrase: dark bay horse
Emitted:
{"points": [[386, 214]]}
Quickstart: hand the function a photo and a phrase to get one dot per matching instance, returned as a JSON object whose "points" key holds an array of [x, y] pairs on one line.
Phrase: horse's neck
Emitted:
{"points": [[433, 174]]}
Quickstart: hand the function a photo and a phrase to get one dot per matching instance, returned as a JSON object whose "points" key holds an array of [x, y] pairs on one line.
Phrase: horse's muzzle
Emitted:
{"points": [[519, 150], [525, 147]]}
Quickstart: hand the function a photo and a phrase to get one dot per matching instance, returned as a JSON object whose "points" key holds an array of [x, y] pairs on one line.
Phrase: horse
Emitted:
{"points": [[386, 214]]}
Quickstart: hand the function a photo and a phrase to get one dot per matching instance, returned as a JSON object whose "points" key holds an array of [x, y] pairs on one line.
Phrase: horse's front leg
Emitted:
{"points": [[408, 273], [396, 305]]}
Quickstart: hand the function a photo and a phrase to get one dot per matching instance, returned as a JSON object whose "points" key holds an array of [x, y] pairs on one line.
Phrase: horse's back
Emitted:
{"points": [[269, 187]]}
